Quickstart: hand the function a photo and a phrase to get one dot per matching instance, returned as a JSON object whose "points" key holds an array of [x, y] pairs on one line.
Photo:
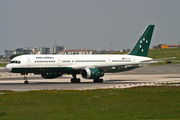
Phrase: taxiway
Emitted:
{"points": [[148, 75]]}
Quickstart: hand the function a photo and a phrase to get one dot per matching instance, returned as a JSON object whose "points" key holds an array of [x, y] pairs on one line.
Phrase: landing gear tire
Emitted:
{"points": [[101, 80], [26, 82], [78, 80], [72, 80], [98, 80], [75, 80]]}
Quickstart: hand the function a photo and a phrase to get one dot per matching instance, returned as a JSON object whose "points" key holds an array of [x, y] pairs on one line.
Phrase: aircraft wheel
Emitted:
{"points": [[98, 80], [78, 80], [75, 80], [72, 80], [95, 80], [26, 82], [101, 80]]}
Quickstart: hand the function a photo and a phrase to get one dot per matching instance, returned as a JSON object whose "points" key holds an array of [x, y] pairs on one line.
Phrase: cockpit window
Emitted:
{"points": [[18, 62], [12, 61]]}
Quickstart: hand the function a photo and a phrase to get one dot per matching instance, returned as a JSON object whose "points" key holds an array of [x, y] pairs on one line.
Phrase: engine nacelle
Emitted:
{"points": [[91, 73], [47, 75]]}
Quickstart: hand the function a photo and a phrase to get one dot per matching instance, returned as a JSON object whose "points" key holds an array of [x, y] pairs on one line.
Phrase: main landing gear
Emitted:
{"points": [[25, 78], [98, 80], [74, 79]]}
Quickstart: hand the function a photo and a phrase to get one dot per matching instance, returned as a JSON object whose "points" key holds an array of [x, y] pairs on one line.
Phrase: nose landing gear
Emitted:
{"points": [[25, 78]]}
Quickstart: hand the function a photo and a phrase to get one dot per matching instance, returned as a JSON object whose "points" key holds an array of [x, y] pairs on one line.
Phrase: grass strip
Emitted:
{"points": [[134, 103], [3, 64]]}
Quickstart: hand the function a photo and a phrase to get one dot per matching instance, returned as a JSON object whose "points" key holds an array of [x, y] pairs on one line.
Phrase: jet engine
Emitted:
{"points": [[47, 75], [91, 73]]}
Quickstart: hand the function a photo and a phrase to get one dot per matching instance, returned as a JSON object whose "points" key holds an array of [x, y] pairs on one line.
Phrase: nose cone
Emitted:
{"points": [[8, 68]]}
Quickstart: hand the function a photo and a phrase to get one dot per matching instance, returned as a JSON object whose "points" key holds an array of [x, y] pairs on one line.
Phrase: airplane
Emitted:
{"points": [[89, 66]]}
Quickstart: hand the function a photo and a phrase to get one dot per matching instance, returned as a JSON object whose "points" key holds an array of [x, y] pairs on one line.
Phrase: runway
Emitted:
{"points": [[148, 75]]}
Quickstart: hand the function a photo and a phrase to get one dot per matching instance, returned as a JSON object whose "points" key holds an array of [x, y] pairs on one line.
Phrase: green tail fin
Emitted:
{"points": [[142, 46]]}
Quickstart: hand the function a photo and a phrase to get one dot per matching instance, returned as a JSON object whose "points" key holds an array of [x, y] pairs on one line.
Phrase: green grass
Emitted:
{"points": [[3, 64], [165, 53], [134, 103]]}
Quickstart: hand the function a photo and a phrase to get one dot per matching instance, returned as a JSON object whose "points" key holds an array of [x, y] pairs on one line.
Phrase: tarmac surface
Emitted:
{"points": [[148, 75]]}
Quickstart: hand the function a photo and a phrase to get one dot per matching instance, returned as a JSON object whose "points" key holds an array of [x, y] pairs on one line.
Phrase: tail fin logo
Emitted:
{"points": [[142, 46]]}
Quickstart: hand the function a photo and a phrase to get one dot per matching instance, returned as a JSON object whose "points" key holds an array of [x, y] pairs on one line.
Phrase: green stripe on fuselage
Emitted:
{"points": [[43, 69]]}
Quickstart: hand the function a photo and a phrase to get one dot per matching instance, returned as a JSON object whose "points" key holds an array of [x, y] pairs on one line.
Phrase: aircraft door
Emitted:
{"points": [[28, 62], [59, 61], [133, 60], [109, 61]]}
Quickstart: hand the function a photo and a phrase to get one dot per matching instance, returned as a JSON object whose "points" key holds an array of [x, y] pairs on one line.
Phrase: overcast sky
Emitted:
{"points": [[88, 24]]}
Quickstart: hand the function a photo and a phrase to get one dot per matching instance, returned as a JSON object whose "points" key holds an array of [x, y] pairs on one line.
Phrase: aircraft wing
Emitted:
{"points": [[110, 66]]}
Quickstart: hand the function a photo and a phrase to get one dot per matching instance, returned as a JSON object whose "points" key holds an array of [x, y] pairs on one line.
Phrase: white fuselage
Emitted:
{"points": [[74, 61]]}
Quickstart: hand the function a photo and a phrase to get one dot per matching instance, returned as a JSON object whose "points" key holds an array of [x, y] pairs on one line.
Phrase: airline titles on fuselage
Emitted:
{"points": [[44, 57]]}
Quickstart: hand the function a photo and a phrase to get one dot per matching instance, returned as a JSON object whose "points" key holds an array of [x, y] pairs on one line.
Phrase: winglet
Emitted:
{"points": [[142, 46]]}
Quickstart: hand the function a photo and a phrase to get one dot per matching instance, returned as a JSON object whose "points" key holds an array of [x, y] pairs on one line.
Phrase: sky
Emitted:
{"points": [[86, 24]]}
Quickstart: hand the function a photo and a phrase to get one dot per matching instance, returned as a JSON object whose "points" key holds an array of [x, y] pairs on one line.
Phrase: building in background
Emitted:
{"points": [[173, 46], [45, 50], [26, 50], [164, 46], [8, 53], [62, 50], [2, 57], [108, 51], [33, 50], [56, 49], [75, 52], [160, 46], [52, 50]]}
